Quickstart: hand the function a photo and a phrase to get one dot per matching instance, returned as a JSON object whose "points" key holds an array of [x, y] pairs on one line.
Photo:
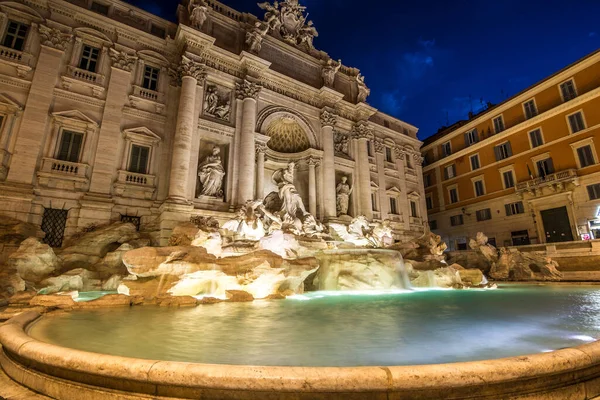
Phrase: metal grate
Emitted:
{"points": [[134, 220], [53, 223]]}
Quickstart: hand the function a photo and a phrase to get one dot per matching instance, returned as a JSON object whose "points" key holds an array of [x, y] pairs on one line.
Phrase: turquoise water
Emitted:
{"points": [[326, 329]]}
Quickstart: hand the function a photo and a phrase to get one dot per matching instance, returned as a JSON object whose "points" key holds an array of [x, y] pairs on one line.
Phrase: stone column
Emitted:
{"points": [[418, 160], [403, 207], [190, 72], [106, 157], [248, 92], [363, 133], [30, 138], [328, 121], [312, 186], [384, 204], [260, 171]]}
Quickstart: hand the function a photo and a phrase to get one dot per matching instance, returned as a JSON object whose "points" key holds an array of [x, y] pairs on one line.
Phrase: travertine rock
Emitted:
{"points": [[34, 260], [53, 300], [238, 296], [521, 272], [13, 231], [183, 234], [471, 277]]}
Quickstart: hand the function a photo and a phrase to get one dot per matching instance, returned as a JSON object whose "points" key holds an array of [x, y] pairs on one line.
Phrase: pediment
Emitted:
{"points": [[10, 103], [141, 133], [11, 7], [393, 191], [414, 194], [93, 35], [74, 116], [153, 56]]}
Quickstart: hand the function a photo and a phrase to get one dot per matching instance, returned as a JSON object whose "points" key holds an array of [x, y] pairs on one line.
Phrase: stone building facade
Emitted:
{"points": [[110, 113], [525, 171]]}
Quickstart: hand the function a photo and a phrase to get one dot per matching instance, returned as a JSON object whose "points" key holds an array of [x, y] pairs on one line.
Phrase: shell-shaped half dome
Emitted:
{"points": [[287, 136]]}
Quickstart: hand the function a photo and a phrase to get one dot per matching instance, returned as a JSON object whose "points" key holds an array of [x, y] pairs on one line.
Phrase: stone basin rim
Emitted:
{"points": [[582, 363]]}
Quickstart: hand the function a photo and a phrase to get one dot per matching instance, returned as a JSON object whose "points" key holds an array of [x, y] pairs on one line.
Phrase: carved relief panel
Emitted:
{"points": [[217, 102]]}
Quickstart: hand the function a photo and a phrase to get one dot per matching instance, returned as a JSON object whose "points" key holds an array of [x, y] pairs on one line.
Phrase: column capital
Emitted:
{"points": [[122, 60], [328, 118], [378, 144], [362, 130], [260, 148], [247, 90], [418, 159], [313, 162], [399, 152], [53, 37]]}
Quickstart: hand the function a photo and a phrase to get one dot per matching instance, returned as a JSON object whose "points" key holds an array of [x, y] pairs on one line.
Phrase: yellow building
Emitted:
{"points": [[523, 171]]}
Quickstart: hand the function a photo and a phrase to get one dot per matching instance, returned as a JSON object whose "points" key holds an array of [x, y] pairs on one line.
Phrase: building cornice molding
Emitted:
{"points": [[77, 97], [134, 112]]}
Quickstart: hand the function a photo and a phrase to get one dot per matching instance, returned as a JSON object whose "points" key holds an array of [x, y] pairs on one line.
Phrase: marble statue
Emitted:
{"points": [[307, 34], [272, 15], [343, 192], [287, 20], [198, 11], [216, 105], [255, 37], [329, 70], [211, 173], [222, 110], [363, 90], [292, 206], [211, 100], [381, 234]]}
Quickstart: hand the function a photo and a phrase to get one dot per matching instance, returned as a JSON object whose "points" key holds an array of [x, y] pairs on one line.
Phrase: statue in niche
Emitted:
{"points": [[329, 70], [363, 90], [198, 11], [211, 173], [292, 206], [216, 105], [343, 192]]}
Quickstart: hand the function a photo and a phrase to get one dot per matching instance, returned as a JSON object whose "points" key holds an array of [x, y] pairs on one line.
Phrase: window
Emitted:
{"points": [[535, 137], [450, 171], [471, 137], [456, 220], [508, 179], [432, 225], [514, 208], [453, 194], [388, 154], [576, 122], [429, 202], [374, 201], [413, 209], [585, 155], [498, 124], [474, 162], [369, 148], [545, 167], [427, 180], [133, 220], [503, 151], [15, 35], [567, 90], [483, 215], [530, 109], [594, 191], [70, 146], [158, 31], [89, 58], [138, 160], [99, 8], [393, 206], [150, 81], [446, 149], [479, 188]]}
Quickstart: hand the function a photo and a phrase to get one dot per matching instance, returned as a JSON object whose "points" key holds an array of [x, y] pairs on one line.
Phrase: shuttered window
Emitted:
{"points": [[503, 151], [450, 171], [594, 191], [484, 215], [545, 167], [453, 194], [471, 137], [446, 149], [138, 161], [567, 89], [514, 208], [530, 109], [413, 209], [536, 138], [576, 122], [150, 80], [498, 124], [509, 179], [456, 220], [429, 202], [586, 157], [393, 206], [479, 188], [70, 146], [474, 162]]}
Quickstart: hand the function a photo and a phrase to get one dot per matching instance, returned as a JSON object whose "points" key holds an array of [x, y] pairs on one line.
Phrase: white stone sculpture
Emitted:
{"points": [[341, 143], [287, 20], [198, 11], [216, 104], [381, 234], [329, 70], [307, 34], [255, 37], [343, 192], [292, 206], [211, 174], [363, 90], [272, 16]]}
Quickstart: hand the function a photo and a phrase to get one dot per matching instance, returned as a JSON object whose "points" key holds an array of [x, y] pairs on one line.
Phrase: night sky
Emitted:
{"points": [[430, 63]]}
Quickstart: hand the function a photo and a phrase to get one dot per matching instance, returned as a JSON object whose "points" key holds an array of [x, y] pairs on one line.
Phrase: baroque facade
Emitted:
{"points": [[110, 113], [525, 171]]}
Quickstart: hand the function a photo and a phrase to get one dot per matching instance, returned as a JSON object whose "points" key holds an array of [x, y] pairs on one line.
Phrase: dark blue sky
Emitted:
{"points": [[423, 59]]}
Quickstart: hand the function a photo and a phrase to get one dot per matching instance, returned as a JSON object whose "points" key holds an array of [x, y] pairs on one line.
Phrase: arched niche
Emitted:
{"points": [[293, 120]]}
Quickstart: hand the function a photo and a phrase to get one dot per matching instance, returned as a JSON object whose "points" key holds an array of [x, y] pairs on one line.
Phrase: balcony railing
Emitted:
{"points": [[415, 221], [11, 55], [148, 94], [86, 76], [560, 177], [64, 168], [132, 178]]}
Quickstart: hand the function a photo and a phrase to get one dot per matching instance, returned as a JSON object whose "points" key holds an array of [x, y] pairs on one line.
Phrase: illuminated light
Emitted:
{"points": [[583, 338], [547, 351]]}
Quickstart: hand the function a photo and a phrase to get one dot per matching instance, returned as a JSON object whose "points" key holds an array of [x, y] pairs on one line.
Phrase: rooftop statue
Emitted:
{"points": [[329, 70], [286, 19], [363, 90], [198, 11]]}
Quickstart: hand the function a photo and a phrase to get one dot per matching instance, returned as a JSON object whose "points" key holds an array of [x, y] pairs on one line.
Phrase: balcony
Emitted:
{"points": [[134, 185], [395, 217], [63, 174], [82, 77], [555, 182], [149, 100], [415, 221], [19, 59]]}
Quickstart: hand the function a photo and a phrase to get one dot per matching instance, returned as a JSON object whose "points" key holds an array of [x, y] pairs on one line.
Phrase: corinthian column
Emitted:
{"points": [[312, 186], [260, 171], [328, 121], [248, 92], [363, 133], [190, 72], [383, 201]]}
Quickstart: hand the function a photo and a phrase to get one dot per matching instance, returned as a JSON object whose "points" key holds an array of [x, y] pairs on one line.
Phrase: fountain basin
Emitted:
{"points": [[65, 373]]}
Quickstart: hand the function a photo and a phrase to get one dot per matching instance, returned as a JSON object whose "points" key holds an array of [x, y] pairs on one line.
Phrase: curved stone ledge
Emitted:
{"points": [[64, 373]]}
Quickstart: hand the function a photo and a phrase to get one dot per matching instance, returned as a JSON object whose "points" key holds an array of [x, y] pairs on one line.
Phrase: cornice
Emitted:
{"points": [[14, 81], [79, 98], [134, 112]]}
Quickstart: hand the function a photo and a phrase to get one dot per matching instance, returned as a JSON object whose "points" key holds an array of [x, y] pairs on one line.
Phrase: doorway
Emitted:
{"points": [[557, 227]]}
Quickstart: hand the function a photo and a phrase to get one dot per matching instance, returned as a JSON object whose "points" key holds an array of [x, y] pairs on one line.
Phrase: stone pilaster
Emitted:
{"points": [[312, 186], [384, 205], [107, 152], [328, 121], [190, 72], [30, 138], [418, 160], [247, 91], [362, 133], [260, 171], [403, 207]]}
